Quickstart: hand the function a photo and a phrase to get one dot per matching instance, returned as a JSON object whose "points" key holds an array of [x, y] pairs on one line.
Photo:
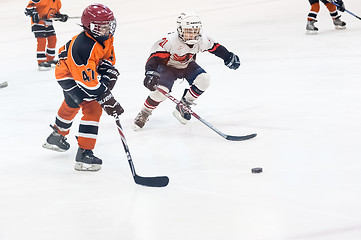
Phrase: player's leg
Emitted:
{"points": [[166, 81], [41, 35], [336, 18], [199, 81], [50, 50], [312, 16], [43, 65], [63, 121], [87, 135]]}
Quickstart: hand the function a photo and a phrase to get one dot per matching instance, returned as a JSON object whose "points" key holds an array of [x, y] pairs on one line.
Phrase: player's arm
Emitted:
{"points": [[159, 56], [96, 85], [108, 73], [160, 53], [58, 16], [61, 17], [110, 55], [152, 75], [107, 76], [31, 11], [230, 59], [82, 61]]}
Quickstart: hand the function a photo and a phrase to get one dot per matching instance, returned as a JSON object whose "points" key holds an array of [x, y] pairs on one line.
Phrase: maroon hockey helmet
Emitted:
{"points": [[99, 21]]}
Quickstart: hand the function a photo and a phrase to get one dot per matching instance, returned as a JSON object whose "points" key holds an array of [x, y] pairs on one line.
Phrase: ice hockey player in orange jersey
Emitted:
{"points": [[42, 12], [86, 74], [315, 8]]}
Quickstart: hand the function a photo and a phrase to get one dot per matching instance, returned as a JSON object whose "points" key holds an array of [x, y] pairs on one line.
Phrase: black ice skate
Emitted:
{"points": [[56, 142], [311, 28], [182, 115], [86, 161], [44, 66], [339, 24], [52, 62], [141, 119]]}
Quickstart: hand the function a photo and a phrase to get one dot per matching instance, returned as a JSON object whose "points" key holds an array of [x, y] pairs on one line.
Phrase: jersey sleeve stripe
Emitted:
{"points": [[214, 48], [163, 55]]}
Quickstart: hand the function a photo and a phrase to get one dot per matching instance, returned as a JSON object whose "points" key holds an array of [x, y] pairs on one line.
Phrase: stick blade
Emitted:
{"points": [[152, 181], [240, 138]]}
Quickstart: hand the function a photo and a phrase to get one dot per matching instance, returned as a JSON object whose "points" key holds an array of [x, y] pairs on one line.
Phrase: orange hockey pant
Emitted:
{"points": [[89, 123], [315, 8], [46, 48]]}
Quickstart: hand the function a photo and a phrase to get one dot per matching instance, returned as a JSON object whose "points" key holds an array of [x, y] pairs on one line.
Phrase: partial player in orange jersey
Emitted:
{"points": [[315, 8], [86, 73], [42, 12]]}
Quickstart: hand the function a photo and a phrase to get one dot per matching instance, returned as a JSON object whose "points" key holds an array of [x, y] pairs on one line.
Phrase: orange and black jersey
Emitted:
{"points": [[78, 61], [45, 9]]}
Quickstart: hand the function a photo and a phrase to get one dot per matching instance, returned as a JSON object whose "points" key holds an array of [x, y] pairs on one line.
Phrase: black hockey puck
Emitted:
{"points": [[4, 84], [256, 170]]}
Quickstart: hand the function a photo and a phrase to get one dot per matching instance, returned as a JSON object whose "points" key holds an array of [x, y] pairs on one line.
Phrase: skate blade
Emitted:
{"points": [[136, 127], [52, 65], [311, 32], [340, 27], [43, 69], [53, 147], [178, 116], [79, 166]]}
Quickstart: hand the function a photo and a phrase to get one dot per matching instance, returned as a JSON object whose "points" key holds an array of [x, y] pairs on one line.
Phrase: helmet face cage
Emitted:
{"points": [[189, 28], [103, 28]]}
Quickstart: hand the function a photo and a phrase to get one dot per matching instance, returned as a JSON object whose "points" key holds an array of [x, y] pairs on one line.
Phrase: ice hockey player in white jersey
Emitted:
{"points": [[173, 57]]}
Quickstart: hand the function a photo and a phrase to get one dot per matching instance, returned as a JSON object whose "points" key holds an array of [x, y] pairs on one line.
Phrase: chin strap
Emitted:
{"points": [[102, 39]]}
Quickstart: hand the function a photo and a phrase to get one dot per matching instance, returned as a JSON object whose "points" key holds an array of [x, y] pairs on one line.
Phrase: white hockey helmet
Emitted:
{"points": [[189, 27]]}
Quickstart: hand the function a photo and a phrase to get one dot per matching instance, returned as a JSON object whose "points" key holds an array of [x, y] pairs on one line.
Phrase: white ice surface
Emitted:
{"points": [[301, 94]]}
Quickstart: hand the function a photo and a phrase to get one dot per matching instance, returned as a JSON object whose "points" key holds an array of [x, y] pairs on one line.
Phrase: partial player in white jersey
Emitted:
{"points": [[173, 57]]}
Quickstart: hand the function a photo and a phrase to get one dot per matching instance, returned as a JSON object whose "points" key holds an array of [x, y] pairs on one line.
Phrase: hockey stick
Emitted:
{"points": [[145, 181], [56, 19], [228, 137], [4, 84], [345, 10]]}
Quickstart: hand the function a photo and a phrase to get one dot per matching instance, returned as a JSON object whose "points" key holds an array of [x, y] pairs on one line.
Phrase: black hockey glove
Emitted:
{"points": [[341, 5], [105, 79], [35, 17], [151, 80], [109, 74], [28, 12], [62, 17], [233, 61], [109, 104], [33, 14]]}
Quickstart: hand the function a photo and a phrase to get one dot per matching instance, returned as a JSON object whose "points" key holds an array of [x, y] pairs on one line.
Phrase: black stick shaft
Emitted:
{"points": [[125, 145], [161, 181]]}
